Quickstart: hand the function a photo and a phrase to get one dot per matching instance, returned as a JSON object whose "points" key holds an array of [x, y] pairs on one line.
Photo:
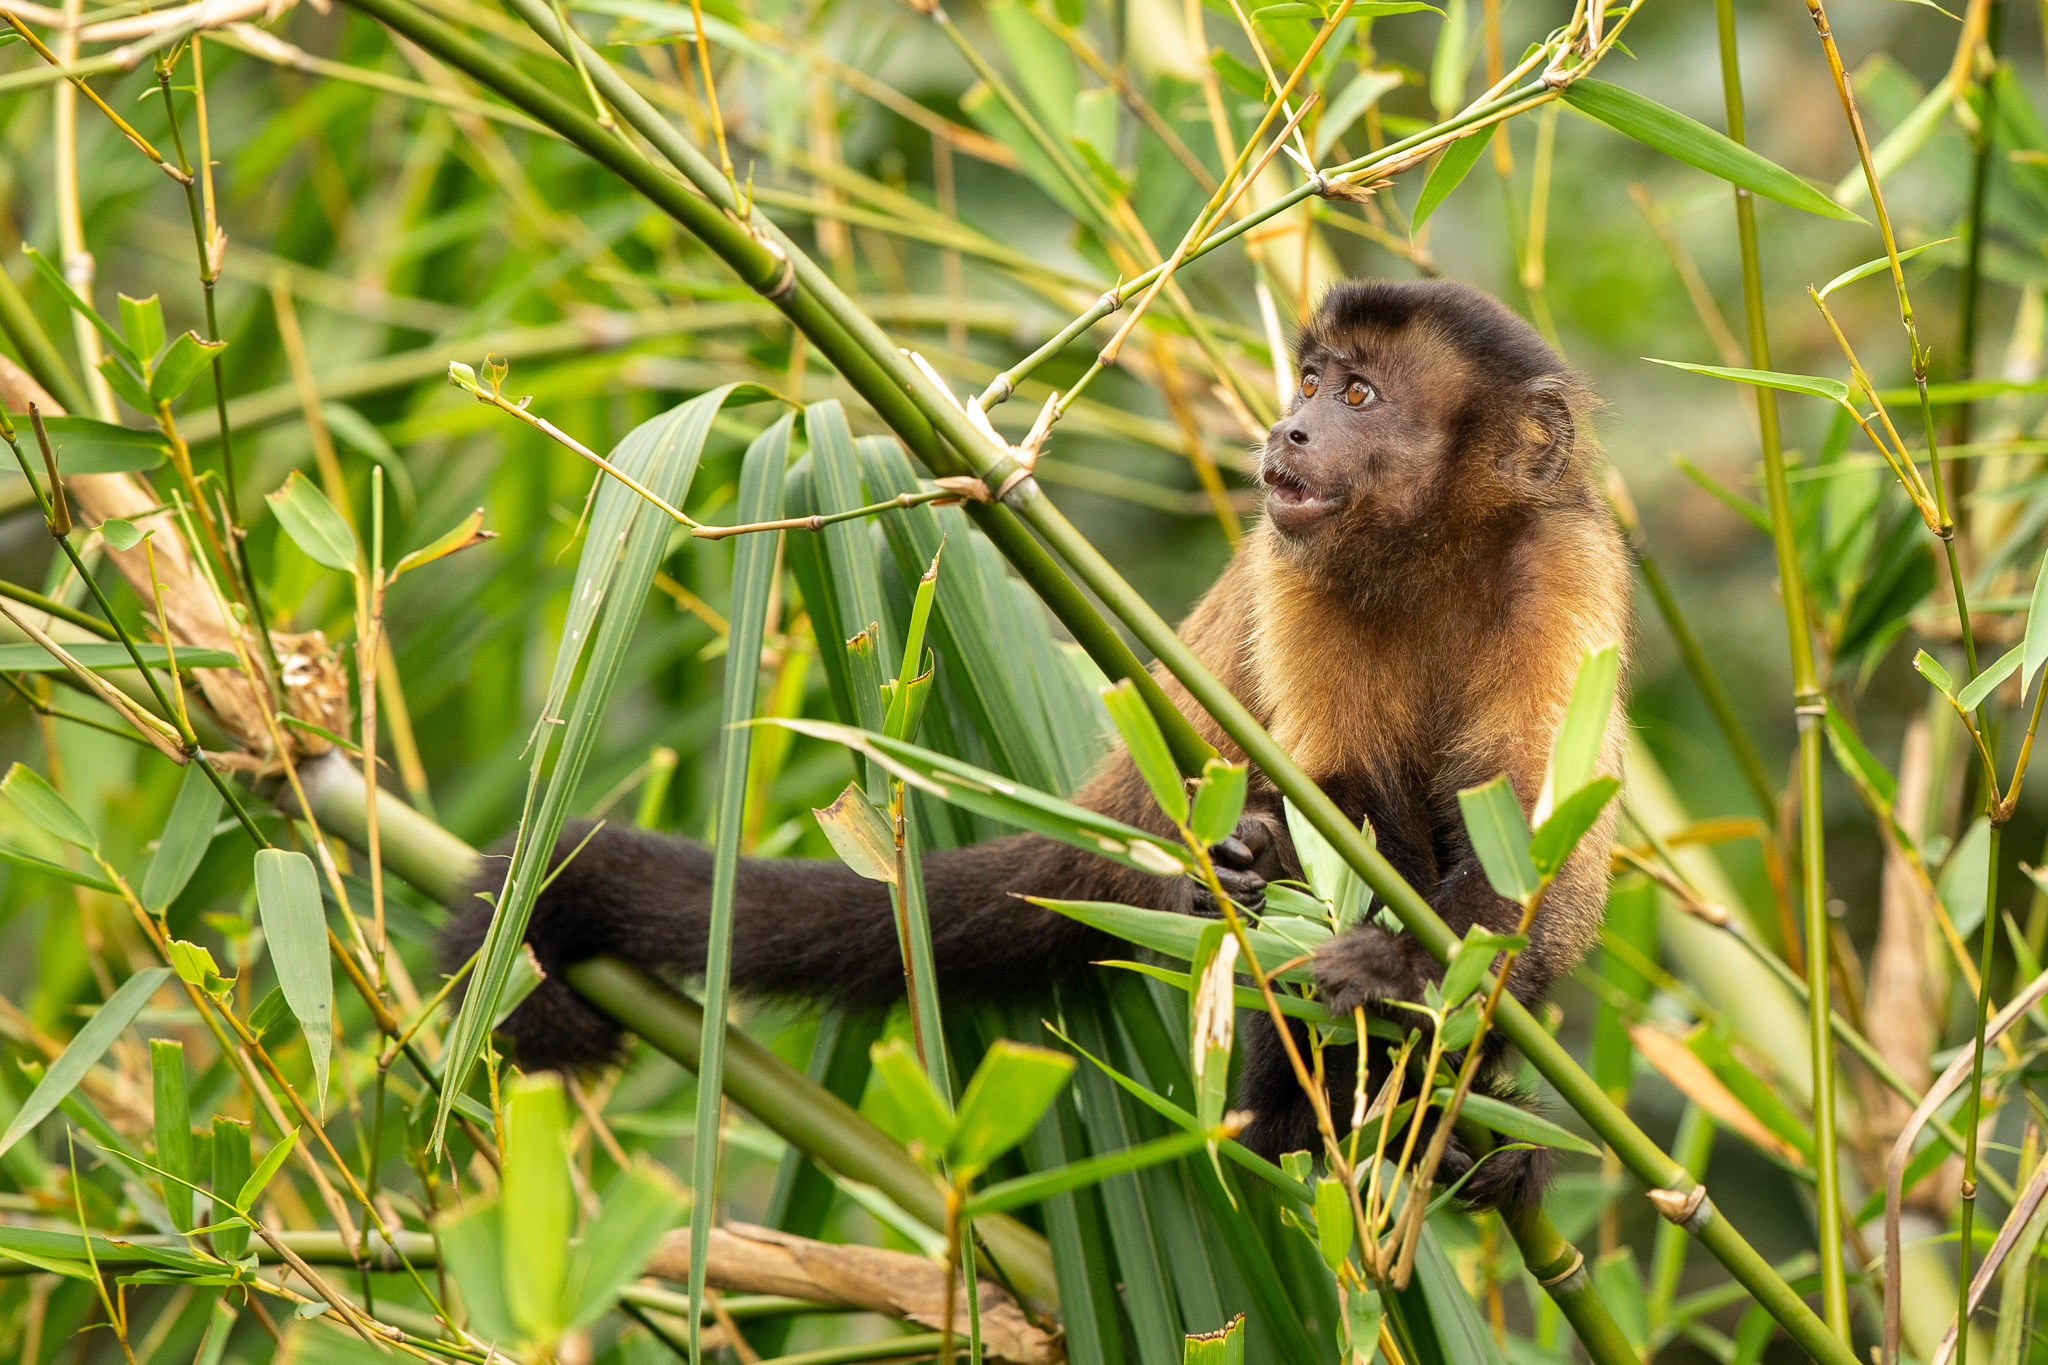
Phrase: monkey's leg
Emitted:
{"points": [[802, 928]]}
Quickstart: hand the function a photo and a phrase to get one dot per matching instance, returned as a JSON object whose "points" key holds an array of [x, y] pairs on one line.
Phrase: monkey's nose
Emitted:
{"points": [[1297, 435]]}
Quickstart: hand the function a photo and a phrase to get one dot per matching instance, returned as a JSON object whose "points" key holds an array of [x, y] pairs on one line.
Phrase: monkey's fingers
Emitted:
{"points": [[1233, 852], [1248, 889]]}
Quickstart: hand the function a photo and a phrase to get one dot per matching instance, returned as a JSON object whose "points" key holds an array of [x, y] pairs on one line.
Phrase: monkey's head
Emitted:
{"points": [[1419, 404]]}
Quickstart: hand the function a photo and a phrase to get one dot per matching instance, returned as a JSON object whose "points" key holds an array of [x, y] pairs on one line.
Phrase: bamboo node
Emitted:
{"points": [[967, 486], [785, 284], [1110, 300], [1690, 1209], [1576, 1266], [1009, 485]]}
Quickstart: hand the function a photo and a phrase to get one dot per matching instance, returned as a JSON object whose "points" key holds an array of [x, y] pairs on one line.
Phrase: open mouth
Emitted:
{"points": [[1285, 489]]}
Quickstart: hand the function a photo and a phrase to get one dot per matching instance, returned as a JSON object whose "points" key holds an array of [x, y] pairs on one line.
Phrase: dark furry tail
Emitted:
{"points": [[805, 929], [1283, 1120]]}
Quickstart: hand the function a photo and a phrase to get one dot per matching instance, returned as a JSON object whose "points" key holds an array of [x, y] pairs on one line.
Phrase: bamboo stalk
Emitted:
{"points": [[1809, 708]]}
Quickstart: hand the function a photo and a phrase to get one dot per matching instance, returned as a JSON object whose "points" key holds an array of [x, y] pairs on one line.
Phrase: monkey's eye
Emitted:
{"points": [[1308, 386], [1359, 394]]}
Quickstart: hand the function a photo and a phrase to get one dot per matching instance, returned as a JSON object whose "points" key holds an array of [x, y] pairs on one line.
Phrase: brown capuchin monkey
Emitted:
{"points": [[1407, 620]]}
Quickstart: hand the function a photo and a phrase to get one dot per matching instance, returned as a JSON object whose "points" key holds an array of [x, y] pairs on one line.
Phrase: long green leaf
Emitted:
{"points": [[171, 1109], [86, 446], [1692, 142], [187, 835], [1012, 1088], [535, 1254], [313, 525], [1818, 385], [1031, 1189], [85, 1048], [104, 655], [624, 546], [1575, 752], [1450, 170], [1147, 747], [1000, 799], [753, 576], [2035, 644], [295, 926], [35, 798], [636, 1212], [1180, 935], [1500, 836]]}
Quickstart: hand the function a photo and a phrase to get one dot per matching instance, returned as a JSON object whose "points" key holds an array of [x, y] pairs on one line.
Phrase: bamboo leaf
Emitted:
{"points": [[1147, 747], [188, 358], [1552, 844], [1978, 688], [29, 862], [313, 525], [1928, 667], [229, 1158], [1821, 387], [105, 655], [636, 1212], [2035, 644], [1448, 173], [116, 342], [624, 546], [927, 1118], [85, 1048], [1219, 800], [1471, 960], [1225, 1345], [535, 1260], [142, 322], [753, 581], [1500, 837], [1039, 1186], [1179, 936], [85, 446], [295, 926], [1575, 754], [465, 533], [1513, 1121], [473, 1247], [1000, 799], [171, 1108], [1882, 263], [188, 833], [1692, 142], [35, 798], [858, 834], [1011, 1090], [1334, 1228]]}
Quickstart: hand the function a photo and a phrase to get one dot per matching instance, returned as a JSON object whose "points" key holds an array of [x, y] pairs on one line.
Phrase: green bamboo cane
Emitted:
{"points": [[920, 415], [1561, 1269], [1810, 708]]}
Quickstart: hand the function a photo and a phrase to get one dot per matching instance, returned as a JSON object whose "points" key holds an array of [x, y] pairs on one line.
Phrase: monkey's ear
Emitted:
{"points": [[1548, 432]]}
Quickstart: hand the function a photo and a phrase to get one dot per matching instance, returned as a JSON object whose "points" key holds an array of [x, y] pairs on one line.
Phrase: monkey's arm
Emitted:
{"points": [[802, 928]]}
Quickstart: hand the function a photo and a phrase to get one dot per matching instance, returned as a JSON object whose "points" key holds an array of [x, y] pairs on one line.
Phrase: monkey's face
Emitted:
{"points": [[1362, 441], [1419, 406]]}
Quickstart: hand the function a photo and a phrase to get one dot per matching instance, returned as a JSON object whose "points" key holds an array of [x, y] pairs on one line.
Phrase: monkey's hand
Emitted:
{"points": [[1237, 862]]}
